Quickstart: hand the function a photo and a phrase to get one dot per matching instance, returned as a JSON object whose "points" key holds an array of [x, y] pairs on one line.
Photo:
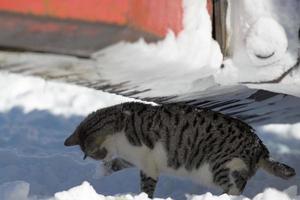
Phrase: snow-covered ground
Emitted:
{"points": [[37, 115], [35, 119]]}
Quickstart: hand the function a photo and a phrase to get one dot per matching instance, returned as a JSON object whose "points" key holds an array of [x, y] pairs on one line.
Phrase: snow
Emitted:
{"points": [[190, 55], [290, 130], [259, 30], [17, 190], [36, 165], [264, 28], [64, 99], [86, 191], [267, 39], [193, 46], [34, 121], [37, 115]]}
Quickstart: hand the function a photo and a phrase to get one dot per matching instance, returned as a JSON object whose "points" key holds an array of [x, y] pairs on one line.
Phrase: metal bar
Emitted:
{"points": [[219, 24]]}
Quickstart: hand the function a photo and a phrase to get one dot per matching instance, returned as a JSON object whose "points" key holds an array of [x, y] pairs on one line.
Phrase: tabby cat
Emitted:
{"points": [[203, 145]]}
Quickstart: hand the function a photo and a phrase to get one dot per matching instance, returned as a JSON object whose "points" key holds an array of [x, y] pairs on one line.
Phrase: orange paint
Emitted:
{"points": [[110, 11], [154, 16], [209, 7]]}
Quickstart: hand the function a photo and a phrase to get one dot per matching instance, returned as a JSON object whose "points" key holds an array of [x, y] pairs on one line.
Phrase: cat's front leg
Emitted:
{"points": [[148, 184], [116, 164]]}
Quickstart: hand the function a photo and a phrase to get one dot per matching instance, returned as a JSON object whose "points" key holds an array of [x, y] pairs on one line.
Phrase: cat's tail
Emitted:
{"points": [[276, 168]]}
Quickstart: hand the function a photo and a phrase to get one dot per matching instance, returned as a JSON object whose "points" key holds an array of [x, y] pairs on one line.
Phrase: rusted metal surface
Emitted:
{"points": [[81, 39]]}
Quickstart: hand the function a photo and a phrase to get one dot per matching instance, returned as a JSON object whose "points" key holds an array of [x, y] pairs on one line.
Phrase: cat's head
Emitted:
{"points": [[89, 138]]}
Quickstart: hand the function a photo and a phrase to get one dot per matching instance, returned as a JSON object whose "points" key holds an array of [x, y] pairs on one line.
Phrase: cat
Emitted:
{"points": [[197, 143]]}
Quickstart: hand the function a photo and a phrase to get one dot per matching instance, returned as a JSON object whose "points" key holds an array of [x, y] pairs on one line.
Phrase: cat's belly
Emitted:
{"points": [[202, 175], [154, 161]]}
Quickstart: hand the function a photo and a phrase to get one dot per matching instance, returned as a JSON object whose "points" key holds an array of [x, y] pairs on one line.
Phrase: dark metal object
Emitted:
{"points": [[219, 24]]}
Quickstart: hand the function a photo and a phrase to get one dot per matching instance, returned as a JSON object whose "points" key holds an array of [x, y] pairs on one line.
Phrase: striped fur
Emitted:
{"points": [[148, 184], [179, 139]]}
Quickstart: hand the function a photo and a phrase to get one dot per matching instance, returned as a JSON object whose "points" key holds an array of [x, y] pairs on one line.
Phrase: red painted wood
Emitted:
{"points": [[210, 7], [26, 32], [156, 16], [111, 11], [153, 16]]}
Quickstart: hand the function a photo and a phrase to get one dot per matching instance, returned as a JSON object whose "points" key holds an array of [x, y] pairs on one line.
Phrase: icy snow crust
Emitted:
{"points": [[36, 115], [86, 191]]}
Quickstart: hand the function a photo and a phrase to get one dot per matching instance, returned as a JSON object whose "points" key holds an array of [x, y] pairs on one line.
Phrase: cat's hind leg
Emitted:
{"points": [[238, 176], [237, 183], [239, 179], [222, 179], [232, 182], [148, 184]]}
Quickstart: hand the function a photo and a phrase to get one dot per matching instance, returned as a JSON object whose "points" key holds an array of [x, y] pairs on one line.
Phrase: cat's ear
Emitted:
{"points": [[72, 140]]}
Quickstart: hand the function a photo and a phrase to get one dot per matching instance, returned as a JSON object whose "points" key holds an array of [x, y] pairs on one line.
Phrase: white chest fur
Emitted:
{"points": [[141, 156], [154, 161]]}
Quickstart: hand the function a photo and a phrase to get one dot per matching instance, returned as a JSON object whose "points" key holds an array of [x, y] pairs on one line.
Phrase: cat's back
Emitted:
{"points": [[191, 135], [198, 135]]}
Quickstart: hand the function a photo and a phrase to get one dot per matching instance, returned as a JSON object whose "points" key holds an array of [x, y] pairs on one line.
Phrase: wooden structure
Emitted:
{"points": [[154, 16], [81, 27]]}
